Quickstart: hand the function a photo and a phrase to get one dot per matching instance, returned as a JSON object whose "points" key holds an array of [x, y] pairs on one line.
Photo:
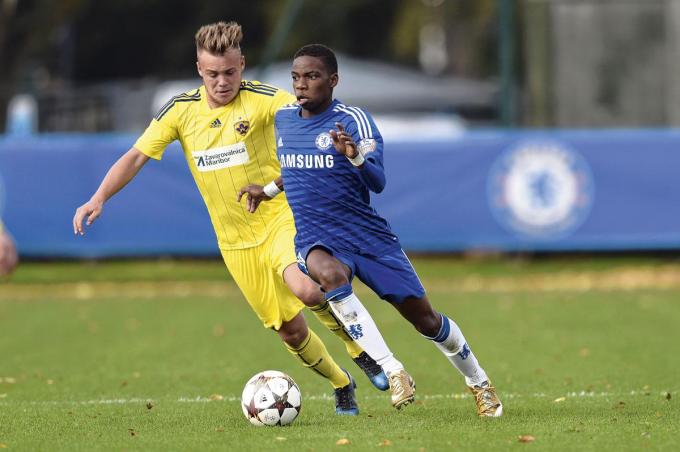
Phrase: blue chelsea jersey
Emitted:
{"points": [[330, 197]]}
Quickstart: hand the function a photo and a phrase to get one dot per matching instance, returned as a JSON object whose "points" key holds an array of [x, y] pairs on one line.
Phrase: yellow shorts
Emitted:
{"points": [[258, 272]]}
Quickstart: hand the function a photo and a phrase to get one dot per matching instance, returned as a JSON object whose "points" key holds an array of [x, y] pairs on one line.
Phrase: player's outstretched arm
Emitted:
{"points": [[118, 176], [258, 193]]}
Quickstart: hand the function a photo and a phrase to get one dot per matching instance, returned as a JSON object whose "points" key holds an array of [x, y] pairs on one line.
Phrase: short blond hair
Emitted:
{"points": [[219, 37]]}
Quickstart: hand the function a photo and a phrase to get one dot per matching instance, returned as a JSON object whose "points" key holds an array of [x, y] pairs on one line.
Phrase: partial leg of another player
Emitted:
{"points": [[279, 310], [448, 338], [303, 343], [334, 277], [310, 294]]}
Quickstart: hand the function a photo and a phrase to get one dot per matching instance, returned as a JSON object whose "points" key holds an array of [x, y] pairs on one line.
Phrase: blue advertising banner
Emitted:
{"points": [[537, 190], [159, 213], [491, 190]]}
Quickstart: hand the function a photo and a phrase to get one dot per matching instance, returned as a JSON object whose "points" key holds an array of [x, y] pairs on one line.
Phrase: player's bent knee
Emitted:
{"points": [[331, 277], [428, 324], [310, 294], [293, 337]]}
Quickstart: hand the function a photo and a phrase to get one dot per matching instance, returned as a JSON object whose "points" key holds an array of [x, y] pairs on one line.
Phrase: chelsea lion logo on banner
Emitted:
{"points": [[242, 127], [541, 189], [323, 141]]}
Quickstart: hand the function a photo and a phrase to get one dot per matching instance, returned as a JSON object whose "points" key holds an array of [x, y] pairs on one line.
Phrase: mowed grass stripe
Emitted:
{"points": [[627, 278], [217, 398]]}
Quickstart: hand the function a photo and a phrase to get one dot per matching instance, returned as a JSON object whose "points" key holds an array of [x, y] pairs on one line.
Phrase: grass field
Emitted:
{"points": [[153, 355]]}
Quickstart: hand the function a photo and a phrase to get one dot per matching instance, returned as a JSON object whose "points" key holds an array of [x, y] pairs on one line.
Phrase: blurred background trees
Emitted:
{"points": [[53, 48], [553, 63]]}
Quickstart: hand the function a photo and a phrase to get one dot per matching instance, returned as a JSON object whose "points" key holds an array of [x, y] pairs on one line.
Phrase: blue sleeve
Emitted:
{"points": [[370, 143]]}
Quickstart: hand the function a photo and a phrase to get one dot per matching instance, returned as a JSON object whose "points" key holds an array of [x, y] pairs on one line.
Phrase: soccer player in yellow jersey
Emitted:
{"points": [[226, 129], [8, 252]]}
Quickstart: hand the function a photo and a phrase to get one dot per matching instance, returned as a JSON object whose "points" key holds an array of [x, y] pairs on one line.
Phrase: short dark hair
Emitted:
{"points": [[322, 52]]}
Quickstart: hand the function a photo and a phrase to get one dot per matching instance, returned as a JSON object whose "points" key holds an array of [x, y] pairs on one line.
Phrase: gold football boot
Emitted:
{"points": [[488, 403], [402, 387]]}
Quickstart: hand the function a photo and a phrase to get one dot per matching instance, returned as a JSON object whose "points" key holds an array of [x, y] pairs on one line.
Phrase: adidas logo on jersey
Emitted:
{"points": [[216, 123]]}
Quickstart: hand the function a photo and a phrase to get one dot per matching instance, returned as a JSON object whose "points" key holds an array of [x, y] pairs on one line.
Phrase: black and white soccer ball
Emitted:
{"points": [[271, 398]]}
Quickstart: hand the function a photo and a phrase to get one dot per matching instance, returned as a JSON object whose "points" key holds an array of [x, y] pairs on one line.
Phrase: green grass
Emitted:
{"points": [[586, 367]]}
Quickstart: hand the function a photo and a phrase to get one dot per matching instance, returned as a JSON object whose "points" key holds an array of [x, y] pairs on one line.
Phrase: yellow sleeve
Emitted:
{"points": [[161, 132], [281, 98]]}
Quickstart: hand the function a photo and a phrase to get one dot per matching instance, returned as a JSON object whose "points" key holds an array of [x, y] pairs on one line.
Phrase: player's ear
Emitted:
{"points": [[198, 68], [243, 62], [334, 79]]}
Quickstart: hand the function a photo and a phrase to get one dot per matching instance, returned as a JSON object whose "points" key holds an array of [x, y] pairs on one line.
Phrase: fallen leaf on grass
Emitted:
{"points": [[668, 396], [525, 438], [218, 330], [149, 404], [385, 442], [342, 442], [50, 382], [133, 324], [216, 397], [281, 438], [560, 399], [10, 380], [3, 446], [646, 435], [584, 352], [132, 432], [221, 429], [2, 396]]}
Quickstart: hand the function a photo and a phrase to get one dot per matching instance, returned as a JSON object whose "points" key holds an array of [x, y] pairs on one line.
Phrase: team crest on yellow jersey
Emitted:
{"points": [[242, 127]]}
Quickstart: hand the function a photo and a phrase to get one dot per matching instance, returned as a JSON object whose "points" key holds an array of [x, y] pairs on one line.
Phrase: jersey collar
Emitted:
{"points": [[322, 116]]}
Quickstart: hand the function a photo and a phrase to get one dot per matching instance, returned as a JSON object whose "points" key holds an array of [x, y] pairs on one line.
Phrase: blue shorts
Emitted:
{"points": [[391, 276]]}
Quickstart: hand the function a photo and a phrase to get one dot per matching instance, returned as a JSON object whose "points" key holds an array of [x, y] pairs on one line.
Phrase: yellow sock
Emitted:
{"points": [[314, 355], [326, 316]]}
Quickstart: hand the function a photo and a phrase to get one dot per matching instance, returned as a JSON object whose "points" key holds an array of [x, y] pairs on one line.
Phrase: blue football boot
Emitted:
{"points": [[345, 398], [373, 371]]}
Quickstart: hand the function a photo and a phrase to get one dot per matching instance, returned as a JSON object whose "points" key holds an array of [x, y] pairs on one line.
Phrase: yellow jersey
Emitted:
{"points": [[226, 148]]}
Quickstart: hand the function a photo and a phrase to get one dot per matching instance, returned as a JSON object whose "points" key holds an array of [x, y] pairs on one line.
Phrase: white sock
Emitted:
{"points": [[451, 342], [360, 326]]}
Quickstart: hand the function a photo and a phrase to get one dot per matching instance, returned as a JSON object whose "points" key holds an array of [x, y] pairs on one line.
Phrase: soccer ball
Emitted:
{"points": [[271, 398]]}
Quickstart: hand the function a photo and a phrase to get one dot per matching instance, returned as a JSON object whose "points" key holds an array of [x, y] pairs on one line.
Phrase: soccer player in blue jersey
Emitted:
{"points": [[331, 158], [232, 117]]}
